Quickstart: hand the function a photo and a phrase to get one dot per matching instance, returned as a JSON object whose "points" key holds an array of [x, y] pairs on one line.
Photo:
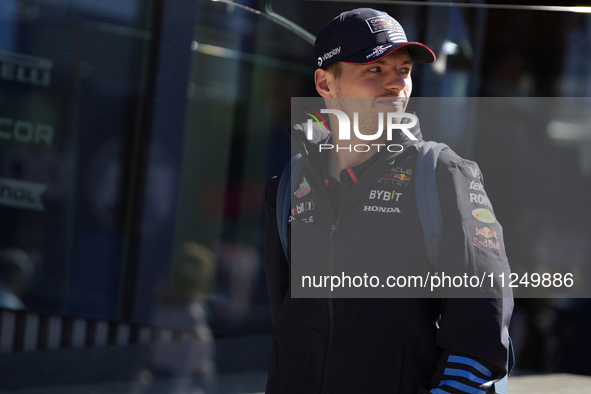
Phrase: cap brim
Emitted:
{"points": [[419, 53]]}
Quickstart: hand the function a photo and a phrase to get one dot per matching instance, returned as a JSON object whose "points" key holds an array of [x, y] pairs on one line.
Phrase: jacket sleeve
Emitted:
{"points": [[460, 374], [472, 245], [276, 265]]}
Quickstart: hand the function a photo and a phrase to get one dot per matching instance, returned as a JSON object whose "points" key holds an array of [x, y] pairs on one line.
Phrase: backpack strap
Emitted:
{"points": [[427, 198], [287, 185], [431, 218]]}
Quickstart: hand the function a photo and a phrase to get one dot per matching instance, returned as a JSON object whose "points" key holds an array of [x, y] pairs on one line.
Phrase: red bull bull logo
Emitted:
{"points": [[401, 177], [486, 232]]}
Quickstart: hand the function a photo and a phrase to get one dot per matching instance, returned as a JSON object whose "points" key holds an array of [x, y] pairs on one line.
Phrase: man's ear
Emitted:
{"points": [[324, 83]]}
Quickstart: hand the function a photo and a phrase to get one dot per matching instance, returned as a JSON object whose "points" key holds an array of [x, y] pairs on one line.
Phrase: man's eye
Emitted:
{"points": [[374, 70], [405, 70]]}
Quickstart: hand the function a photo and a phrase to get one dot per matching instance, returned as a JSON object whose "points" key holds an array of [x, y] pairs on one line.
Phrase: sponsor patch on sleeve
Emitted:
{"points": [[303, 189], [484, 215]]}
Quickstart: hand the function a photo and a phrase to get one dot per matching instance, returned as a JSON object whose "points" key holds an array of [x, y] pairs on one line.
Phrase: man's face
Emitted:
{"points": [[386, 78], [385, 85]]}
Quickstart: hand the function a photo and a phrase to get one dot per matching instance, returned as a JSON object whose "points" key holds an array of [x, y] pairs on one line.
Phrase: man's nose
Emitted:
{"points": [[395, 81]]}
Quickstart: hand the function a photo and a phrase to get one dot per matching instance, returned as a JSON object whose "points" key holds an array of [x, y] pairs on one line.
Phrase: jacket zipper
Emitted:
{"points": [[323, 387], [330, 307], [331, 266]]}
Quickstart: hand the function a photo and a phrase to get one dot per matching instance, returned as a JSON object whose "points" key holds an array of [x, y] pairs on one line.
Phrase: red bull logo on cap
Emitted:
{"points": [[486, 232]]}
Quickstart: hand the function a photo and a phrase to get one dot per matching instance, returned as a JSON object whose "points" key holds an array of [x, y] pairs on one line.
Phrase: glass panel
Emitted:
{"points": [[241, 73], [71, 80]]}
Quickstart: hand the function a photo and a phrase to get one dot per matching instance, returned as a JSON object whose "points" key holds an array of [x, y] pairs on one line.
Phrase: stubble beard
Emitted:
{"points": [[368, 115]]}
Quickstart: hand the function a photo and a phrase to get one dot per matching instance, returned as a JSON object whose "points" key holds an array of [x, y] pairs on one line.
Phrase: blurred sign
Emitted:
{"points": [[26, 132], [26, 69], [21, 194]]}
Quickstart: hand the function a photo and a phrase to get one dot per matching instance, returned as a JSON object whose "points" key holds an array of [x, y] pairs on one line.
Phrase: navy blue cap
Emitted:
{"points": [[363, 36]]}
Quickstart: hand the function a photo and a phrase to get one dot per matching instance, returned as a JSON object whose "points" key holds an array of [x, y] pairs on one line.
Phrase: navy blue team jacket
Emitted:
{"points": [[386, 345]]}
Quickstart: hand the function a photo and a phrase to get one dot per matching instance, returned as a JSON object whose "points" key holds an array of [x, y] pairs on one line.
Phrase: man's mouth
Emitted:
{"points": [[394, 104]]}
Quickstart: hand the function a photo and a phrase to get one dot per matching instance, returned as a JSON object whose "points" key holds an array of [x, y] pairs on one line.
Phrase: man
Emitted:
{"points": [[16, 269], [379, 345]]}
